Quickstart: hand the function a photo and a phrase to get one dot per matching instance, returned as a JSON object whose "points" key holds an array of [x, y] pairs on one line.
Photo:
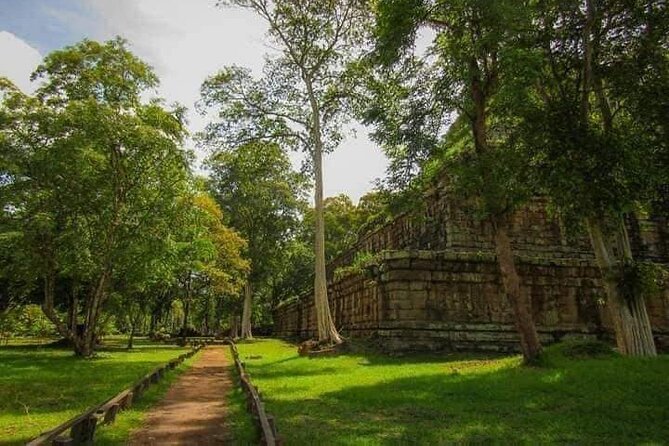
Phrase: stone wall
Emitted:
{"points": [[437, 285]]}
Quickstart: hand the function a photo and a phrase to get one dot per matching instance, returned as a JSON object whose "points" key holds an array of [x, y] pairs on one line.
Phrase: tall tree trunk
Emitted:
{"points": [[135, 318], [186, 308], [48, 307], [71, 333], [520, 300], [205, 322], [218, 316], [93, 306], [132, 336], [184, 325], [327, 332], [629, 316], [153, 323], [234, 326], [631, 324], [72, 312], [247, 312]]}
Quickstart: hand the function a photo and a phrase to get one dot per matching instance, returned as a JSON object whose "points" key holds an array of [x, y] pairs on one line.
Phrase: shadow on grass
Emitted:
{"points": [[268, 373], [615, 400], [249, 359], [42, 388], [375, 359]]}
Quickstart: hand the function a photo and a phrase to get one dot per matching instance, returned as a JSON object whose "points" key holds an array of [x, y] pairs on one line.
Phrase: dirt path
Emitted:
{"points": [[193, 411]]}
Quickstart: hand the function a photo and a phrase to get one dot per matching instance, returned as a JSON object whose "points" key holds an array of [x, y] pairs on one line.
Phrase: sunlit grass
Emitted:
{"points": [[369, 399], [41, 388]]}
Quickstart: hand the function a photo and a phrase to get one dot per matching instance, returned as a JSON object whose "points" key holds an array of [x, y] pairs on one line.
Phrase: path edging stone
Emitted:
{"points": [[82, 427], [265, 423]]}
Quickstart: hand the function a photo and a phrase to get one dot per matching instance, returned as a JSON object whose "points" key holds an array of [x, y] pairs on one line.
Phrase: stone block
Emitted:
{"points": [[421, 264], [407, 275], [419, 286], [405, 304]]}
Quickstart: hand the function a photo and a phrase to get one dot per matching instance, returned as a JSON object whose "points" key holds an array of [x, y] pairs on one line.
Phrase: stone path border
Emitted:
{"points": [[82, 427], [265, 422]]}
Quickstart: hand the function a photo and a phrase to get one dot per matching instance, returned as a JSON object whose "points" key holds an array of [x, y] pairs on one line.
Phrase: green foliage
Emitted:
{"points": [[262, 199], [396, 26], [363, 263], [209, 265], [341, 224], [226, 269], [469, 72], [25, 321], [490, 183], [641, 279], [345, 222], [303, 80], [101, 219], [374, 210], [594, 150], [406, 116], [294, 277], [91, 174], [103, 72]]}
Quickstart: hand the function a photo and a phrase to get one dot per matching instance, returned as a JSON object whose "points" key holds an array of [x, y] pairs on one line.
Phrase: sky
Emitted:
{"points": [[185, 41]]}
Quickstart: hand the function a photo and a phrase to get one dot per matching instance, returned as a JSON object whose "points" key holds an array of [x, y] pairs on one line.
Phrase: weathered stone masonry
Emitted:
{"points": [[437, 284]]}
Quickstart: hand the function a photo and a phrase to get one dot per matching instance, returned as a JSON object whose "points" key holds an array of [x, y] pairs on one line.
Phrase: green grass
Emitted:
{"points": [[369, 399], [41, 388]]}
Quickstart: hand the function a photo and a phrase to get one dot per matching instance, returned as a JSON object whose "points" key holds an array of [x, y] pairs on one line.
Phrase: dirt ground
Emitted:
{"points": [[193, 412]]}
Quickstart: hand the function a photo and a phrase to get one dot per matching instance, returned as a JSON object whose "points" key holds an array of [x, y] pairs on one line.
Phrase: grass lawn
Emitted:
{"points": [[369, 399], [41, 388]]}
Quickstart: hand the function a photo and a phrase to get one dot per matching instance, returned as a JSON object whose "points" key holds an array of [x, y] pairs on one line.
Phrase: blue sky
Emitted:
{"points": [[41, 22], [185, 41]]}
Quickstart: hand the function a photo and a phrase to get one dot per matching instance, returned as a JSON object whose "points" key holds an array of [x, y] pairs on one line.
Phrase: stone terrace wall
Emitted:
{"points": [[444, 225], [438, 285], [431, 300]]}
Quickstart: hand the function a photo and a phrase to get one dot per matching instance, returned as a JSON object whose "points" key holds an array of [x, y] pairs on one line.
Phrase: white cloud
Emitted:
{"points": [[186, 41], [18, 61], [353, 167]]}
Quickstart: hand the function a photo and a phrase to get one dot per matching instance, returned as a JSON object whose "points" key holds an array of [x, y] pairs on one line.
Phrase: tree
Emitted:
{"points": [[345, 222], [294, 276], [373, 210], [261, 197], [341, 224], [472, 51], [89, 176], [298, 101], [210, 255], [595, 125]]}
